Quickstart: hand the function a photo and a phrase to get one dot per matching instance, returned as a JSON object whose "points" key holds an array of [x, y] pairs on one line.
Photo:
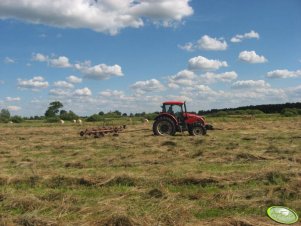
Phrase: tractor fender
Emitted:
{"points": [[173, 118]]}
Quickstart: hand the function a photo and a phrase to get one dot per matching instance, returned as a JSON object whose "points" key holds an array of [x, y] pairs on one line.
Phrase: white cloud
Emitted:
{"points": [[40, 57], [251, 57], [97, 72], [100, 71], [8, 60], [208, 43], [152, 85], [257, 84], [249, 35], [63, 84], [73, 79], [14, 108], [211, 77], [205, 43], [185, 77], [205, 64], [111, 93], [12, 99], [189, 46], [83, 92], [62, 62], [203, 89], [60, 92], [35, 83], [283, 73], [109, 16], [188, 78]]}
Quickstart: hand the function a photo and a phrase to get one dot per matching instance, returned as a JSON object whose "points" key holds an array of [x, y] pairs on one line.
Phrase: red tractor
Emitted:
{"points": [[174, 118]]}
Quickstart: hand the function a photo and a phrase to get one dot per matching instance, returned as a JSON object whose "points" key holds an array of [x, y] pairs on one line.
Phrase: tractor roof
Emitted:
{"points": [[174, 102]]}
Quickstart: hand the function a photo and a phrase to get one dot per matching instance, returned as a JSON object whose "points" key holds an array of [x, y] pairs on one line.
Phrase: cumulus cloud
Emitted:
{"points": [[109, 16], [63, 84], [34, 84], [249, 35], [83, 92], [211, 77], [208, 43], [40, 57], [14, 108], [12, 99], [97, 72], [283, 73], [73, 79], [205, 64], [8, 60], [251, 57], [189, 46], [60, 62], [111, 93], [187, 78], [152, 85], [100, 71], [244, 84], [60, 92], [205, 43]]}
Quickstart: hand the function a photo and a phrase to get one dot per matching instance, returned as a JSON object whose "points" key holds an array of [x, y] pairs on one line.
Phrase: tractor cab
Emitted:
{"points": [[177, 109], [174, 118]]}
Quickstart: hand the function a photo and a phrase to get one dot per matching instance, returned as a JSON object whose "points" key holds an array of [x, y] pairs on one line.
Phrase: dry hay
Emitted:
{"points": [[155, 193], [239, 221], [249, 157], [194, 181], [116, 220]]}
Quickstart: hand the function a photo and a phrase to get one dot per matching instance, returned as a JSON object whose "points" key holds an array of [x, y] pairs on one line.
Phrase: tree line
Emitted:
{"points": [[55, 113], [257, 109]]}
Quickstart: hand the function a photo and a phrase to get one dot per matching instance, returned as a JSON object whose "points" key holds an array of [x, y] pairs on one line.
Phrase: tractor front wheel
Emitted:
{"points": [[197, 130], [164, 126]]}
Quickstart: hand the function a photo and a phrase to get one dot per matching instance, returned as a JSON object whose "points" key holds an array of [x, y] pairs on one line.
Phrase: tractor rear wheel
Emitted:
{"points": [[197, 130], [164, 126]]}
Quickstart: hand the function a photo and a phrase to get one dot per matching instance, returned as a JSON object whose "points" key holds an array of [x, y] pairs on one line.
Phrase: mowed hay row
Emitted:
{"points": [[52, 176]]}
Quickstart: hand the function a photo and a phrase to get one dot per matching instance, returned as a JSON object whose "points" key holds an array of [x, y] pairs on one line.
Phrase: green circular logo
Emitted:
{"points": [[282, 215]]}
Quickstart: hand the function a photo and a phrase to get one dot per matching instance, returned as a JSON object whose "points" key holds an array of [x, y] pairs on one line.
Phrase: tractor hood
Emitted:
{"points": [[194, 116]]}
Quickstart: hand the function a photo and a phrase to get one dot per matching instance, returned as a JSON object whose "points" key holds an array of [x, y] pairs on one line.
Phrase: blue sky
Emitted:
{"points": [[132, 55]]}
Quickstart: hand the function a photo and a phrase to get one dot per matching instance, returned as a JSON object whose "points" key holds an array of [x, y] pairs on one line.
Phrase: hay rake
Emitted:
{"points": [[102, 131]]}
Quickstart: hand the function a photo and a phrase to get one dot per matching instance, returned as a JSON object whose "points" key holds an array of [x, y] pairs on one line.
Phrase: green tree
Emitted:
{"points": [[17, 119], [4, 115], [68, 116], [53, 109]]}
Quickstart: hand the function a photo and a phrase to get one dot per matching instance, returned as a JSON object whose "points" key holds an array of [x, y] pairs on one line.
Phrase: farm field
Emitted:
{"points": [[49, 175]]}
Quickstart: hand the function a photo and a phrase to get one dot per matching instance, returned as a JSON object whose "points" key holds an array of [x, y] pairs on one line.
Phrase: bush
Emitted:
{"points": [[16, 119], [254, 112], [221, 114], [289, 112], [53, 119], [95, 118]]}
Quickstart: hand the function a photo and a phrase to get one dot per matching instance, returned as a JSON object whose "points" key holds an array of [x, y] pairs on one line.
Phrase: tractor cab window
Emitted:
{"points": [[177, 110], [173, 109]]}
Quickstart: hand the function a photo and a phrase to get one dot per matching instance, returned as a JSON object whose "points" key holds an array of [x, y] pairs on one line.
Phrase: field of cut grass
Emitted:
{"points": [[49, 175]]}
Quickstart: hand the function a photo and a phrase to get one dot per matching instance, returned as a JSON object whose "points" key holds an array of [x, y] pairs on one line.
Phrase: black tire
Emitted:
{"points": [[164, 126], [197, 130]]}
